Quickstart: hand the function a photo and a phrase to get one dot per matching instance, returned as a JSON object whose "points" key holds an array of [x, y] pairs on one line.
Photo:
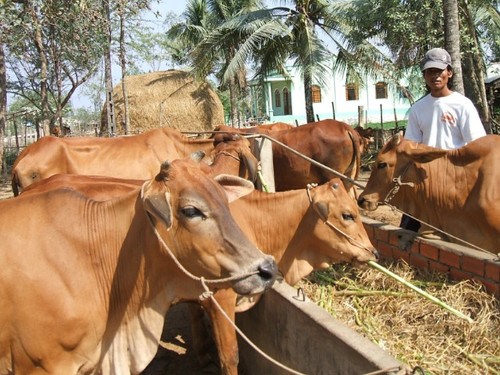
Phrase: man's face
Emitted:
{"points": [[437, 79]]}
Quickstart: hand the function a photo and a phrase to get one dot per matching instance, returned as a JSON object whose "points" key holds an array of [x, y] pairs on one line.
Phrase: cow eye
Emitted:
{"points": [[347, 217], [192, 212], [382, 165]]}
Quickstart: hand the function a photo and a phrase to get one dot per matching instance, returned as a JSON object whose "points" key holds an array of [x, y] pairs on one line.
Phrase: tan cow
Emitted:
{"points": [[136, 156], [332, 143], [457, 191], [304, 231], [90, 295]]}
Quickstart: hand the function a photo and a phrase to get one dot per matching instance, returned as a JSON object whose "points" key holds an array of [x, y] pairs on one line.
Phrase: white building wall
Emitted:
{"points": [[335, 92]]}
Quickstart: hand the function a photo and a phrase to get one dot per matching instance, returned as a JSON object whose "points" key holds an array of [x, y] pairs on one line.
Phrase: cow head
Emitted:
{"points": [[393, 168], [232, 154], [191, 214], [331, 231]]}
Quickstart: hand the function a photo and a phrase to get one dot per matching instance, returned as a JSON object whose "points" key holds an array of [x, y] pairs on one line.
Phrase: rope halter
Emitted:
{"points": [[398, 183], [331, 225], [180, 266]]}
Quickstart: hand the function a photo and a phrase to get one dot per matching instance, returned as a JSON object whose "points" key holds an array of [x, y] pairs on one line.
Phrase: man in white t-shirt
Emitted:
{"points": [[443, 118]]}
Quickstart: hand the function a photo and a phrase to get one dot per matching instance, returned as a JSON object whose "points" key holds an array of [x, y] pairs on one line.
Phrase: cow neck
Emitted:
{"points": [[271, 219]]}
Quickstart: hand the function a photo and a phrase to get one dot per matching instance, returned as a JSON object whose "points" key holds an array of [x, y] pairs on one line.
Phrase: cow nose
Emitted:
{"points": [[268, 269], [361, 200], [375, 252]]}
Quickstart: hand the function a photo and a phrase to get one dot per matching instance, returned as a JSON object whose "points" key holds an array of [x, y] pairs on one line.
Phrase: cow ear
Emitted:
{"points": [[322, 210], [425, 155], [251, 164], [396, 139], [235, 187], [157, 204]]}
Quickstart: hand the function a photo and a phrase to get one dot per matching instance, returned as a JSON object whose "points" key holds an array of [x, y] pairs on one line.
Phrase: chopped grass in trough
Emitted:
{"points": [[409, 327]]}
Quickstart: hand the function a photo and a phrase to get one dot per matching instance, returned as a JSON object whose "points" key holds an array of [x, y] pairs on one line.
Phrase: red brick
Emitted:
{"points": [[473, 265], [492, 271], [385, 249], [400, 254], [449, 258], [382, 235], [419, 261], [394, 238], [429, 251], [369, 229], [491, 287], [415, 247], [456, 274], [438, 267]]}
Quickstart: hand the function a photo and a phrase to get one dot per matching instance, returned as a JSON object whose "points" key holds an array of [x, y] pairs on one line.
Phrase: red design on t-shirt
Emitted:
{"points": [[448, 118]]}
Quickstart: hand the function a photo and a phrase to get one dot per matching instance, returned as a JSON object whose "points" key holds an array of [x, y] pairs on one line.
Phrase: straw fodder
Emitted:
{"points": [[409, 327], [170, 98]]}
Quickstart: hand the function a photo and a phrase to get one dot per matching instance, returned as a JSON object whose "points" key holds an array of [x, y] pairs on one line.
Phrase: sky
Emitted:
{"points": [[78, 99]]}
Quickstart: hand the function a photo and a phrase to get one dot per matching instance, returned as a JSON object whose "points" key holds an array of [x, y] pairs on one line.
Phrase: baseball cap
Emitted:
{"points": [[436, 58]]}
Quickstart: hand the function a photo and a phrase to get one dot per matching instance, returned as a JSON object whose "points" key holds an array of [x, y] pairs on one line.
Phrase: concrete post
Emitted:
{"points": [[263, 150]]}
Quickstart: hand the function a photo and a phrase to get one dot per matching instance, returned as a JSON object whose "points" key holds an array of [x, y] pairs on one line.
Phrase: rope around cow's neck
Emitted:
{"points": [[331, 225]]}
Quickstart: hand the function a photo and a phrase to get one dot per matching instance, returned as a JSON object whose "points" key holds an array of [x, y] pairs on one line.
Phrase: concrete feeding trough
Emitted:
{"points": [[297, 333]]}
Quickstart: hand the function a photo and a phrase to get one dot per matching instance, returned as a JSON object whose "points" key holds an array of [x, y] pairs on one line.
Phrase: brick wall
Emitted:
{"points": [[458, 262]]}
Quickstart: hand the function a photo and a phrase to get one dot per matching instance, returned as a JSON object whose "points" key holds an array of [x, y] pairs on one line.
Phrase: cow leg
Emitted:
{"points": [[224, 333], [201, 339]]}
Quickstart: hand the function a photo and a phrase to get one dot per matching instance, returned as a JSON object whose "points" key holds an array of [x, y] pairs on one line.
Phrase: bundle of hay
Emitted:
{"points": [[171, 98]]}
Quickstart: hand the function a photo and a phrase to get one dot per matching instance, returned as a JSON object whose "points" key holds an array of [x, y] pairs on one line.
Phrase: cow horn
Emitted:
{"points": [[198, 156], [164, 171]]}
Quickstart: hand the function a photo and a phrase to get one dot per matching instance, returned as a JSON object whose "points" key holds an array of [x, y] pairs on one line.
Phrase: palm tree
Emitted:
{"points": [[299, 33], [272, 37], [201, 20]]}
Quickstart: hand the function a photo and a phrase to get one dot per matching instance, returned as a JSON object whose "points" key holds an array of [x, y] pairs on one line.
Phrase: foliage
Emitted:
{"points": [[67, 36], [201, 26]]}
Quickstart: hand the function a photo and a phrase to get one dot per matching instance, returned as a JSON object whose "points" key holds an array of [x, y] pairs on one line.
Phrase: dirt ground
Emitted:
{"points": [[176, 355]]}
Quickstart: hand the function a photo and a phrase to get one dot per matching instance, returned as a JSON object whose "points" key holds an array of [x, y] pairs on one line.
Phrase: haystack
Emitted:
{"points": [[171, 98]]}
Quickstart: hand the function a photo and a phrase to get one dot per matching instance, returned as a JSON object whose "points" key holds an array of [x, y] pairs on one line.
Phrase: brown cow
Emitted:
{"points": [[135, 156], [90, 296], [258, 129], [332, 143], [456, 191]]}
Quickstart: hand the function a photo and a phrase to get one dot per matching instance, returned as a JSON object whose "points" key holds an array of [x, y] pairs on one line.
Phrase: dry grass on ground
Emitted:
{"points": [[409, 327]]}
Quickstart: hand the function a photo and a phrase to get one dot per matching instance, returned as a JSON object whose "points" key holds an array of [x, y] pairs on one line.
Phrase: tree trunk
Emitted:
{"points": [[57, 117], [233, 100], [110, 105], [308, 97], [452, 42], [3, 104], [474, 70], [123, 64], [37, 38]]}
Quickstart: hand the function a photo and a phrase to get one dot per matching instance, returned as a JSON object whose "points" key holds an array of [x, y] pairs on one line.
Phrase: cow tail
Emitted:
{"points": [[352, 170]]}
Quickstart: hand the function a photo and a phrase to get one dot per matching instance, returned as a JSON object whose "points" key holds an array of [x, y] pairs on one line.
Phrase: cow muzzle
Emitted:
{"points": [[366, 204], [261, 276]]}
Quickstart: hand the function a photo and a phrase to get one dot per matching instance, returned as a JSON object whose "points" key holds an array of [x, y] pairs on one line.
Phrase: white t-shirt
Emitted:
{"points": [[447, 122]]}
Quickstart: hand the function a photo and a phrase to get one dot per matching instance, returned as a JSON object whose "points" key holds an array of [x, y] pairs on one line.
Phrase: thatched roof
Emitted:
{"points": [[169, 98]]}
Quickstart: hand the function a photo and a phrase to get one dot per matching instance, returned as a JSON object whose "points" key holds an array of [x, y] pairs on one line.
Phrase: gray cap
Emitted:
{"points": [[436, 58]]}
